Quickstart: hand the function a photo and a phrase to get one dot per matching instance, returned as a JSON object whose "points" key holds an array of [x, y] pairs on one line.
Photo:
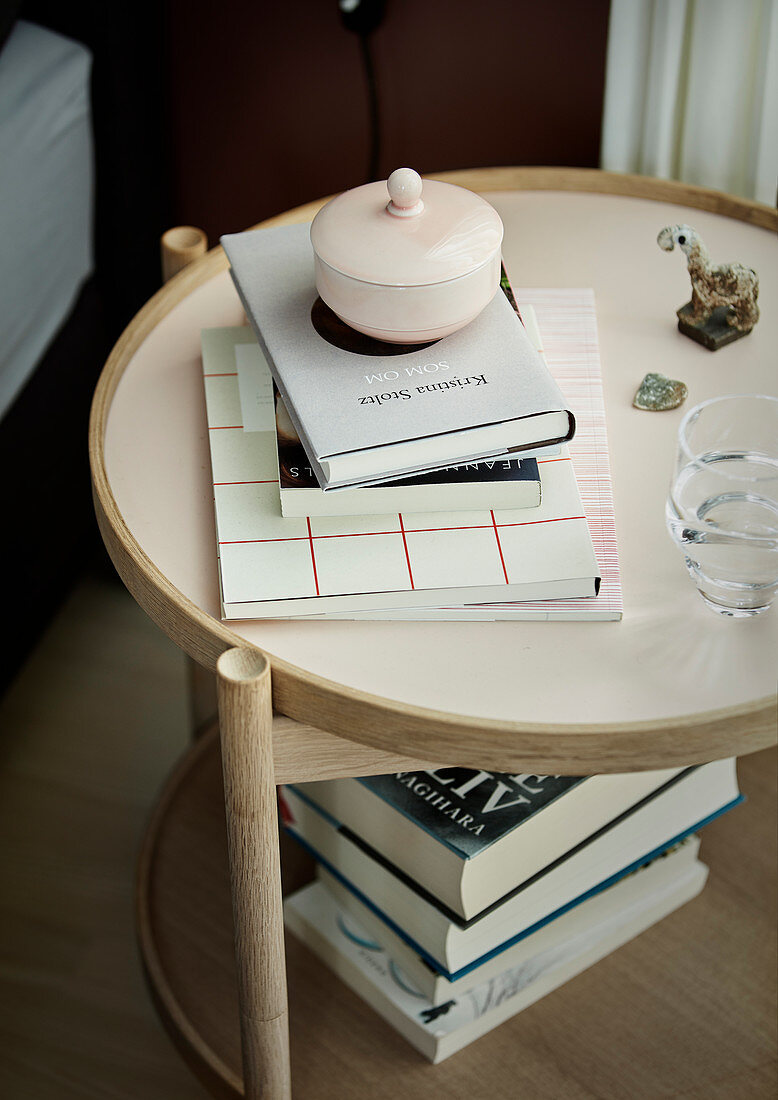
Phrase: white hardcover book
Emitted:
{"points": [[438, 1031], [363, 417], [576, 927], [469, 837], [276, 567]]}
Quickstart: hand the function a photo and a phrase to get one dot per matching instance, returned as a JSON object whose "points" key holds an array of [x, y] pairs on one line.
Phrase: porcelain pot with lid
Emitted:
{"points": [[411, 269]]}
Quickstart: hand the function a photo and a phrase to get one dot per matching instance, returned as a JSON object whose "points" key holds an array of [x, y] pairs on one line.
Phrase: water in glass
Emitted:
{"points": [[722, 513]]}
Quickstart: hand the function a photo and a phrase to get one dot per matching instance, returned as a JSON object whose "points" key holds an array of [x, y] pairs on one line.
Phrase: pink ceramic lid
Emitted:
{"points": [[406, 231]]}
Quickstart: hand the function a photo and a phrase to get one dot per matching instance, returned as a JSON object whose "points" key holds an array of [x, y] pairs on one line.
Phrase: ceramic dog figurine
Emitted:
{"points": [[723, 303]]}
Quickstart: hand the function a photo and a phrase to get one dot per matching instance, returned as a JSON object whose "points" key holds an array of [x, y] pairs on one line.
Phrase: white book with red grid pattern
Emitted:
{"points": [[272, 567]]}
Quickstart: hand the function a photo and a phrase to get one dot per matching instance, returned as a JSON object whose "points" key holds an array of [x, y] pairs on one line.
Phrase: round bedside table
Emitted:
{"points": [[671, 684]]}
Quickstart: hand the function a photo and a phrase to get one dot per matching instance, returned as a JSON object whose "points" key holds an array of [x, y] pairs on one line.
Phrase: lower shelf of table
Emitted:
{"points": [[686, 1010]]}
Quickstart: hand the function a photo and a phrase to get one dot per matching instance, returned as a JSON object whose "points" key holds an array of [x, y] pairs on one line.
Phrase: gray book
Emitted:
{"points": [[367, 413]]}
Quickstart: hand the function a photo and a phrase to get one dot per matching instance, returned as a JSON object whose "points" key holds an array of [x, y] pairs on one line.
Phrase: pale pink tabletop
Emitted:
{"points": [[669, 657]]}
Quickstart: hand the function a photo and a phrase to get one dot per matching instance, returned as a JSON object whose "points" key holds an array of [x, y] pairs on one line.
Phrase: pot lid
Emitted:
{"points": [[406, 232]]}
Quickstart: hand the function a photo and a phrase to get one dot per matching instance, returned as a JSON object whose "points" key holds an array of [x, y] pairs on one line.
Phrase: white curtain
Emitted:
{"points": [[691, 93]]}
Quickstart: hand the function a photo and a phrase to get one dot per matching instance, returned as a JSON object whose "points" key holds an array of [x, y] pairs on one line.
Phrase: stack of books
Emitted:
{"points": [[452, 899], [354, 479]]}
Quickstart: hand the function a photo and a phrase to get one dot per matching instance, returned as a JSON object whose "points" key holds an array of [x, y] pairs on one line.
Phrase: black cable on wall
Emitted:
{"points": [[362, 17]]}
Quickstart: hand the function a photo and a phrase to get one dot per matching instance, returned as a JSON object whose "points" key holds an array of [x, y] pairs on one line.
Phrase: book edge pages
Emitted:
{"points": [[436, 1047], [439, 988], [452, 945]]}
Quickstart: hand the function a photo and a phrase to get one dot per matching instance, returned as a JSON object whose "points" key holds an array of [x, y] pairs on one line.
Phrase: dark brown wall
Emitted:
{"points": [[269, 106]]}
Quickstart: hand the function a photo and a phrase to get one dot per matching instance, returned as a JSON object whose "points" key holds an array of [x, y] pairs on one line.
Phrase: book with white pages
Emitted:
{"points": [[276, 567], [438, 1031], [452, 945], [469, 837], [574, 929]]}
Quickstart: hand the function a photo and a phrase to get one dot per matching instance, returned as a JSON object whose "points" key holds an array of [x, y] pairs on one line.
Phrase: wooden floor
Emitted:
{"points": [[88, 731]]}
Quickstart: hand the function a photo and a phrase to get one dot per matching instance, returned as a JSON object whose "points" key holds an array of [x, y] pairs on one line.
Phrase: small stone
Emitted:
{"points": [[657, 393]]}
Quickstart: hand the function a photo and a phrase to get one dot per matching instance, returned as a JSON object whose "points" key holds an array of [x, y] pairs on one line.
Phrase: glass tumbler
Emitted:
{"points": [[722, 509]]}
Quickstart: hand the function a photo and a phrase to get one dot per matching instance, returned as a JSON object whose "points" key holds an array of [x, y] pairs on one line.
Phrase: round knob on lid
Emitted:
{"points": [[404, 186]]}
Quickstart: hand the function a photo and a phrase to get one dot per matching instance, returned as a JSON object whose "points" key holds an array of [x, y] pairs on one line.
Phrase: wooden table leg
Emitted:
{"points": [[179, 246], [245, 717]]}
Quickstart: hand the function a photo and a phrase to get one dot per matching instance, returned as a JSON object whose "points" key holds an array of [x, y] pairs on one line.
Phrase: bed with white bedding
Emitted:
{"points": [[52, 338], [46, 195], [84, 198], [85, 194]]}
